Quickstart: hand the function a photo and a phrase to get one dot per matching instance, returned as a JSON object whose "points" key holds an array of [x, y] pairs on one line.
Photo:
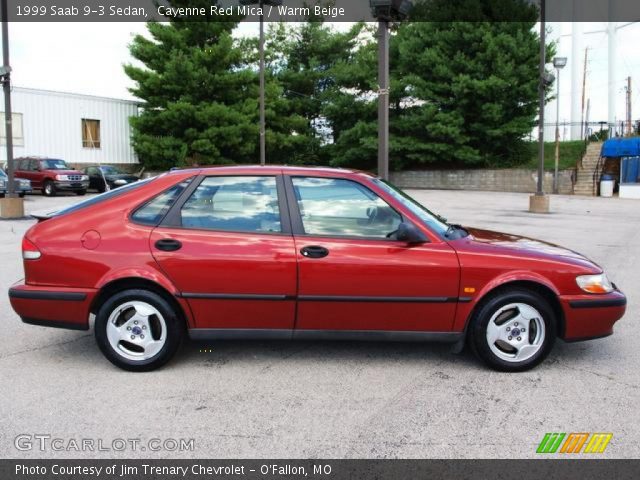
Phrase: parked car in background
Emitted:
{"points": [[51, 175], [309, 253], [22, 185], [103, 176]]}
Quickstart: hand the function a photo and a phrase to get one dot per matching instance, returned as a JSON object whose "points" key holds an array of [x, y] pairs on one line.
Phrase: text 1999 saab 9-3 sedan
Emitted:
{"points": [[299, 253]]}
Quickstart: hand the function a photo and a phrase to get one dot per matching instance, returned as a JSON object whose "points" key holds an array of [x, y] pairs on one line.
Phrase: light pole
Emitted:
{"points": [[11, 206], [559, 63], [539, 203], [385, 11], [263, 122]]}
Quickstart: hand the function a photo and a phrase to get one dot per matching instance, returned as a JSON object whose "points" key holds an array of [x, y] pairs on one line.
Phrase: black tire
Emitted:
{"points": [[81, 192], [172, 320], [477, 335], [102, 188], [21, 194], [49, 189]]}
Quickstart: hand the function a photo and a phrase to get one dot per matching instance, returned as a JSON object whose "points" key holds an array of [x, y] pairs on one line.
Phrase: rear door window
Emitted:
{"points": [[234, 204]]}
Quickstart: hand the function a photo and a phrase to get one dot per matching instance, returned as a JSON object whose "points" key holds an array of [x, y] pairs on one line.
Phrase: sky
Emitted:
{"points": [[88, 57]]}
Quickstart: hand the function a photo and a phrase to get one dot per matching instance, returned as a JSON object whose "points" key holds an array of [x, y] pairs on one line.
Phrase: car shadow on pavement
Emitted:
{"points": [[341, 353]]}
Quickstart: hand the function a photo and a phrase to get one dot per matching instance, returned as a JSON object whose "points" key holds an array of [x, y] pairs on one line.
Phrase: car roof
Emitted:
{"points": [[274, 170]]}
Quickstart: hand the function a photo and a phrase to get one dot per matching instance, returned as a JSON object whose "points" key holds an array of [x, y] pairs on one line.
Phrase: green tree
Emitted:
{"points": [[199, 102], [307, 56], [464, 87]]}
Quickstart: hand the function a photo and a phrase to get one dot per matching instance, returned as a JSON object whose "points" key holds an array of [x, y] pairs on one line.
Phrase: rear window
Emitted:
{"points": [[100, 198], [152, 212]]}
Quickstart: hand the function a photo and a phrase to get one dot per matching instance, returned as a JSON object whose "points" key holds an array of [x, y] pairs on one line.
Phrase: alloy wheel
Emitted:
{"points": [[516, 332], [136, 330]]}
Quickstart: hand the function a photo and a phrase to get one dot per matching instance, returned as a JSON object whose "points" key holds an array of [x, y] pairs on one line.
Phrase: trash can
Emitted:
{"points": [[606, 186]]}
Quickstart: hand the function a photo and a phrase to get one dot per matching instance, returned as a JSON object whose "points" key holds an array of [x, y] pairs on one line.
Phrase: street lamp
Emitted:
{"points": [[539, 203], [559, 63], [385, 11], [262, 3]]}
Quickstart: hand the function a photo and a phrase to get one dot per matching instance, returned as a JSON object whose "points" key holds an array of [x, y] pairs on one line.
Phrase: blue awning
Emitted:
{"points": [[621, 147]]}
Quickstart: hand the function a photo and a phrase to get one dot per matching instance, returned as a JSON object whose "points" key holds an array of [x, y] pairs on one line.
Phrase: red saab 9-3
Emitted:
{"points": [[299, 253]]}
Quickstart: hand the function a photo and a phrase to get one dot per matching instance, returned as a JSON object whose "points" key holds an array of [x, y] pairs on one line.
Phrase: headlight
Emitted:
{"points": [[595, 283], [2, 183], [62, 178], [84, 178], [120, 181]]}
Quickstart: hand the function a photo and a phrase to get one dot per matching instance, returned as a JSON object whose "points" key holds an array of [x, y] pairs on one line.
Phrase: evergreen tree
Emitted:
{"points": [[309, 52], [464, 87], [199, 104]]}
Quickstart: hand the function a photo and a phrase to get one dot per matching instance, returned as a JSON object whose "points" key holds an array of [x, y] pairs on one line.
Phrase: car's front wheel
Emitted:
{"points": [[138, 330], [513, 330]]}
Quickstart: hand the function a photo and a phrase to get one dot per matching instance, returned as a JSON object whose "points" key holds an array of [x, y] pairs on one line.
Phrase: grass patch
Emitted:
{"points": [[570, 153]]}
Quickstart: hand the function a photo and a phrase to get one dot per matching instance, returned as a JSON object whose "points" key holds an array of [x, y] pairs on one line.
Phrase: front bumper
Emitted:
{"points": [[52, 306], [71, 186], [591, 316]]}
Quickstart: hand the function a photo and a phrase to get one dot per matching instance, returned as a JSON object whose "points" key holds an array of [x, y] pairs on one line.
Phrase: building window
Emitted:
{"points": [[90, 133], [18, 136]]}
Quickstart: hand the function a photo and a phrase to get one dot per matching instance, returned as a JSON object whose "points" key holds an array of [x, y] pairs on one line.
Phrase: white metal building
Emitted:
{"points": [[76, 128]]}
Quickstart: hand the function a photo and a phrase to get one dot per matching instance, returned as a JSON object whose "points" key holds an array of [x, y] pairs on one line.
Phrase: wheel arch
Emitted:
{"points": [[127, 283], [526, 284]]}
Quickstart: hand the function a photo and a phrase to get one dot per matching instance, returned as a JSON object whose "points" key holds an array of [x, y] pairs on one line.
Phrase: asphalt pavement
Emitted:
{"points": [[332, 399]]}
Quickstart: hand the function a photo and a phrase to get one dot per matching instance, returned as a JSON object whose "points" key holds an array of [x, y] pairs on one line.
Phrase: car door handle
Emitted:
{"points": [[314, 251], [168, 245]]}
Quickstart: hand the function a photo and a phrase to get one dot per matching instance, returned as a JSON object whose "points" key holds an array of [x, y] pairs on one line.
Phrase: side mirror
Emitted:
{"points": [[408, 232]]}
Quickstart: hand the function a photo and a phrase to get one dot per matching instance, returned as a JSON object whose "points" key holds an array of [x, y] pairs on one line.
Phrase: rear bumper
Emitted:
{"points": [[591, 316], [52, 306]]}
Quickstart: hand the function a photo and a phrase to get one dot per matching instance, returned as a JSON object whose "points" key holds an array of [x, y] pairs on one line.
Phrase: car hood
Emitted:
{"points": [[508, 243]]}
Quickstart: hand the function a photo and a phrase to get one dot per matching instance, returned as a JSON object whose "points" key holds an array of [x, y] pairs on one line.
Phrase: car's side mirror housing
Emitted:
{"points": [[408, 232]]}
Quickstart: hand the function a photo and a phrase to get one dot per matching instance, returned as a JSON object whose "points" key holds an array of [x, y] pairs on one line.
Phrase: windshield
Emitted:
{"points": [[100, 198], [109, 170], [52, 164], [2, 174], [433, 221]]}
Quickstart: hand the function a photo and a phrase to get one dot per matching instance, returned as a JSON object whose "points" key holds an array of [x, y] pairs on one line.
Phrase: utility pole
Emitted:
{"points": [[584, 93], [12, 206], [559, 63], [383, 99], [539, 203], [629, 128], [263, 121]]}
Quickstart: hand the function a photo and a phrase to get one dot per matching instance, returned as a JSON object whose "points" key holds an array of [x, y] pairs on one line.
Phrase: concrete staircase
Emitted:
{"points": [[584, 174]]}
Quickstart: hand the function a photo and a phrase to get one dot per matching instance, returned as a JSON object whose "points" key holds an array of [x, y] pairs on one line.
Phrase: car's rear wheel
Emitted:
{"points": [[513, 330], [49, 189], [138, 330]]}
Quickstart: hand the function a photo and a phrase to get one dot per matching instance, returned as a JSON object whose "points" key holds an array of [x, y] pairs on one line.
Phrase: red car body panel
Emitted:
{"points": [[261, 281], [232, 264], [364, 273]]}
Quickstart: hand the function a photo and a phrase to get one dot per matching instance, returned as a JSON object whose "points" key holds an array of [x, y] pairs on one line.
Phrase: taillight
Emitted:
{"points": [[29, 250]]}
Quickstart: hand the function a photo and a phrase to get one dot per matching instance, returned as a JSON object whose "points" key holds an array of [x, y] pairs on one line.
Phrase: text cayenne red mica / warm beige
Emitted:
{"points": [[300, 253]]}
